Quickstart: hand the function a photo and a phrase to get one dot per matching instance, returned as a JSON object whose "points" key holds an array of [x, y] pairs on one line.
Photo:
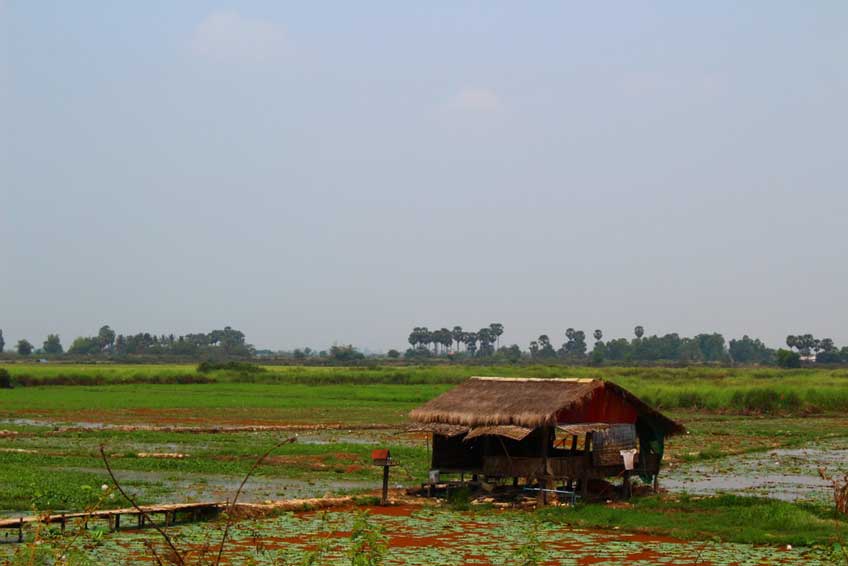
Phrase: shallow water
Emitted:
{"points": [[786, 474], [213, 487]]}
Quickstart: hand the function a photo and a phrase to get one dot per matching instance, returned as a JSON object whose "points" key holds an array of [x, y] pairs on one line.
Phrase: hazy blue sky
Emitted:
{"points": [[314, 172]]}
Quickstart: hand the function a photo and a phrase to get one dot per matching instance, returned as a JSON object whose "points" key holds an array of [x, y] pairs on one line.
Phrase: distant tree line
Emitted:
{"points": [[227, 342], [453, 342], [574, 348], [457, 344]]}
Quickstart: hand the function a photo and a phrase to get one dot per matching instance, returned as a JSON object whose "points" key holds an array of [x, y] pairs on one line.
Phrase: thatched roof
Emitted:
{"points": [[441, 429], [524, 402], [508, 431]]}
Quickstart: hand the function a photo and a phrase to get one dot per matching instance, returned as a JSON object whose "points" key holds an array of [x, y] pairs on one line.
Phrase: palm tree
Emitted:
{"points": [[446, 338], [486, 338], [457, 335], [428, 337], [470, 339], [414, 337], [639, 331], [598, 335], [497, 329], [792, 341]]}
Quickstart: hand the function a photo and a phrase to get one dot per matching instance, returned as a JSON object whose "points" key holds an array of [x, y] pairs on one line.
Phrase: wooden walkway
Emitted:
{"points": [[189, 511]]}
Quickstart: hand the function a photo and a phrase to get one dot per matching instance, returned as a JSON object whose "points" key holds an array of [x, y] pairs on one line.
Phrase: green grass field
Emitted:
{"points": [[729, 389]]}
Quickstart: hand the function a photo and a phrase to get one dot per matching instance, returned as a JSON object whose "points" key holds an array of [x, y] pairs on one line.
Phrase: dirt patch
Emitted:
{"points": [[311, 462], [404, 510]]}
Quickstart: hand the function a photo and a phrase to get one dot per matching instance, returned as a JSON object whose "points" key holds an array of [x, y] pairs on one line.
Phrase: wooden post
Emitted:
{"points": [[584, 481], [62, 522], [141, 520], [21, 530], [118, 522], [626, 485], [543, 480], [385, 499]]}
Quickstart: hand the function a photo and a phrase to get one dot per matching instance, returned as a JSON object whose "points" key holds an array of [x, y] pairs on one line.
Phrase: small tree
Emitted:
{"points": [[639, 331], [597, 356], [106, 337], [2, 342], [788, 360], [53, 345], [24, 347], [393, 354]]}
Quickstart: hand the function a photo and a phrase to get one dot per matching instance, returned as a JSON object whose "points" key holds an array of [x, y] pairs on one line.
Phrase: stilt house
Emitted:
{"points": [[545, 430]]}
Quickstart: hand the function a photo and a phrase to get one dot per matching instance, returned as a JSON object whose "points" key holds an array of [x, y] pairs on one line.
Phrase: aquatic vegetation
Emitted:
{"points": [[440, 537]]}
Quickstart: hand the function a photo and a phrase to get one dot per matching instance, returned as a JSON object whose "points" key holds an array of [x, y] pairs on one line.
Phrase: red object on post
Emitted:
{"points": [[381, 456]]}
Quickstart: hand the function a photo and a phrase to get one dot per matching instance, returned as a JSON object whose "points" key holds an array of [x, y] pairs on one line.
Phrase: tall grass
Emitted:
{"points": [[704, 388]]}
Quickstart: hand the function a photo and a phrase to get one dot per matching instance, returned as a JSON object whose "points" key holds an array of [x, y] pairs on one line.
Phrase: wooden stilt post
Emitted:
{"points": [[118, 522], [543, 480], [384, 500], [21, 530], [584, 481], [626, 485], [62, 522]]}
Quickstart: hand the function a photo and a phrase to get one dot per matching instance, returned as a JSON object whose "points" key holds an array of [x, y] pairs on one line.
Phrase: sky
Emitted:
{"points": [[336, 172]]}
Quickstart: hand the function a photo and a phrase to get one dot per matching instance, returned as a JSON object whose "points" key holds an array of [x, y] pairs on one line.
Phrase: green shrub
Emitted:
{"points": [[5, 379], [368, 543], [460, 499], [787, 359]]}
